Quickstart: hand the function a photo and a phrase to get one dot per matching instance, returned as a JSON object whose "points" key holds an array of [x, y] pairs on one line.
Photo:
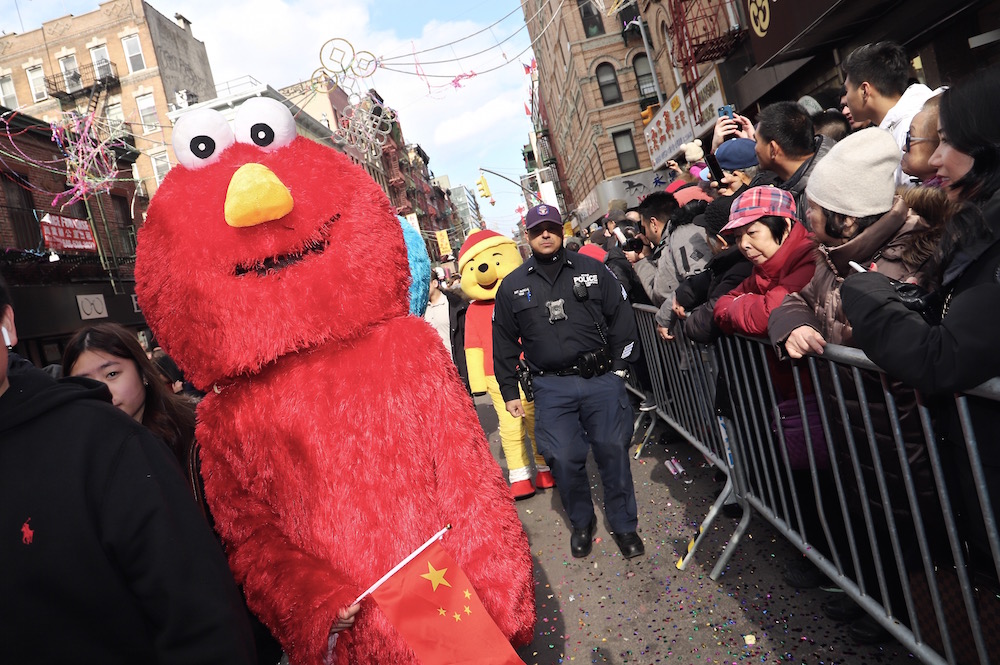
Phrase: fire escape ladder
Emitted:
{"points": [[95, 96], [701, 33], [684, 53]]}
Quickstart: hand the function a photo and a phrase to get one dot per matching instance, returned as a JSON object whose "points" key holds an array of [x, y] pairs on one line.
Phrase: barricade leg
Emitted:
{"points": [[647, 435], [713, 512]]}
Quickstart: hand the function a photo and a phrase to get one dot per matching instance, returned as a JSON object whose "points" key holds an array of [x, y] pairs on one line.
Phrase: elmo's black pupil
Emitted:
{"points": [[262, 134], [202, 146]]}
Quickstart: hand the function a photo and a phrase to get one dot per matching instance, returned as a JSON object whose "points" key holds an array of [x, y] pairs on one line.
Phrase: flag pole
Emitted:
{"points": [[413, 554]]}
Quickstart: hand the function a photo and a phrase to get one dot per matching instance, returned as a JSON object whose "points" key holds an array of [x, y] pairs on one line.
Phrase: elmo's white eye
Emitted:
{"points": [[264, 122], [200, 137]]}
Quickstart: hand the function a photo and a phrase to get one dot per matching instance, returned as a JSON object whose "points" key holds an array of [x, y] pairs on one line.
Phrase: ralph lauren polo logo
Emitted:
{"points": [[27, 534]]}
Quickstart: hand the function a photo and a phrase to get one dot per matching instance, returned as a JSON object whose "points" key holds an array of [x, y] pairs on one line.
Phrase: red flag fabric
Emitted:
{"points": [[527, 69], [434, 607], [527, 111]]}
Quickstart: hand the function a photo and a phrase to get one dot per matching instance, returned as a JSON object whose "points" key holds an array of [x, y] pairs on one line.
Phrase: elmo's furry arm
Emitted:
{"points": [[293, 592]]}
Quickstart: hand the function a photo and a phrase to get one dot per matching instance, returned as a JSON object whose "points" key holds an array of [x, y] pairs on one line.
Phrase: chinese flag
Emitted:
{"points": [[434, 607]]}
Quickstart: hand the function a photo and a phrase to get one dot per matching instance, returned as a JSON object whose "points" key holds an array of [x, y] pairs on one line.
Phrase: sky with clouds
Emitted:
{"points": [[476, 121]]}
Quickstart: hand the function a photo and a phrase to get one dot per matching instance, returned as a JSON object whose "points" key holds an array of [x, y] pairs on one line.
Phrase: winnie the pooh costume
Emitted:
{"points": [[485, 259]]}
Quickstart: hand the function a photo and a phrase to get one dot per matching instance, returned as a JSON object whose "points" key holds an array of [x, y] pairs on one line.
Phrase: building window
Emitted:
{"points": [[644, 76], [8, 97], [102, 63], [115, 118], [133, 52], [161, 164], [36, 80], [628, 160], [608, 80], [147, 113], [593, 24], [71, 73]]}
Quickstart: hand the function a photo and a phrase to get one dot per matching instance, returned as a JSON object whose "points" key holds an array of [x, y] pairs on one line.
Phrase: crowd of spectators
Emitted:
{"points": [[874, 225]]}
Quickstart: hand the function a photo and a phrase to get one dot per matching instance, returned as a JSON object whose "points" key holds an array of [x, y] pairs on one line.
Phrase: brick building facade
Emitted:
{"points": [[595, 79], [125, 61]]}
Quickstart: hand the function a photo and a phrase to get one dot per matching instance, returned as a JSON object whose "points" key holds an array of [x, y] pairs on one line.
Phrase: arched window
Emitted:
{"points": [[593, 24], [608, 80], [644, 76]]}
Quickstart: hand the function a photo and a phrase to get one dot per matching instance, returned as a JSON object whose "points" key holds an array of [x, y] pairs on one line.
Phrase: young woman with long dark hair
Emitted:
{"points": [[111, 354]]}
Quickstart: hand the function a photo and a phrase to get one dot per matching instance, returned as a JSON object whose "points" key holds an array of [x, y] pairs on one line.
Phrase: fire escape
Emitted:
{"points": [[702, 31], [95, 82]]}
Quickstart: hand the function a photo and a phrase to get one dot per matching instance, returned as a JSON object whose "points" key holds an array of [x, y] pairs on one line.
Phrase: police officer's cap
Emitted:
{"points": [[540, 214]]}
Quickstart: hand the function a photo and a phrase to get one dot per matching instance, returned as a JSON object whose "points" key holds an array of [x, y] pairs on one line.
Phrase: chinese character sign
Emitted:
{"points": [[710, 98], [444, 245], [670, 128], [67, 233]]}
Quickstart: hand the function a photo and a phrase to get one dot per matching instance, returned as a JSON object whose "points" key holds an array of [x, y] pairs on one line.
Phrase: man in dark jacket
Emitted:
{"points": [[616, 260], [106, 557], [789, 149]]}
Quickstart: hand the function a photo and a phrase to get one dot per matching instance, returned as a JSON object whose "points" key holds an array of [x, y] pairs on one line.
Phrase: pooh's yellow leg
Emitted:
{"points": [[512, 433]]}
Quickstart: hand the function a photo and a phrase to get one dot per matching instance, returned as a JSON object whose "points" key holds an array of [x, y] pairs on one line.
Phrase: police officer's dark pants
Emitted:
{"points": [[566, 407]]}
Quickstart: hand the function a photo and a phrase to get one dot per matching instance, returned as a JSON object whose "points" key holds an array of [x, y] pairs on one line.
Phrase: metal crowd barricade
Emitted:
{"points": [[683, 376], [855, 471]]}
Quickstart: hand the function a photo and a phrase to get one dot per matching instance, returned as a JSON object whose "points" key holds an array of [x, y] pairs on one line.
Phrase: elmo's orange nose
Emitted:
{"points": [[256, 196]]}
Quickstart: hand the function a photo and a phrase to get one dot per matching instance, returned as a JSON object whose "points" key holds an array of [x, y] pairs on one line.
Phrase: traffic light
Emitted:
{"points": [[484, 189], [648, 113]]}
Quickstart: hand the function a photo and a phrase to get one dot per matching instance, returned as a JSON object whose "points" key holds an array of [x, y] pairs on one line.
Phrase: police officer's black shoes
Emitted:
{"points": [[582, 540], [630, 544]]}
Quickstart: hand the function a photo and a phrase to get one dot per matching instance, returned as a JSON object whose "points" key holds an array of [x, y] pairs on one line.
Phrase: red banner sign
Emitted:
{"points": [[67, 233]]}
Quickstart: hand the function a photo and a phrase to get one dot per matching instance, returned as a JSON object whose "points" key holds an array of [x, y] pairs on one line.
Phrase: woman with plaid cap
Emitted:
{"points": [[764, 223]]}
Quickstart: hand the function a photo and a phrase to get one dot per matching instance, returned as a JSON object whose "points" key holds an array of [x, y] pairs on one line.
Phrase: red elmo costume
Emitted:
{"points": [[338, 436]]}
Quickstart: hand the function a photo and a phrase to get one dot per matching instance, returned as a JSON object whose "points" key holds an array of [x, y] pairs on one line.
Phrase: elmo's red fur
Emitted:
{"points": [[341, 437]]}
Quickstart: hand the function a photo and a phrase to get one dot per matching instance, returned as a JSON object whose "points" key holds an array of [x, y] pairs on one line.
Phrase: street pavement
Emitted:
{"points": [[608, 609]]}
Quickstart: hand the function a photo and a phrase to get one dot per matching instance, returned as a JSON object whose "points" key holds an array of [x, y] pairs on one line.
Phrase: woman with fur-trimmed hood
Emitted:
{"points": [[856, 217]]}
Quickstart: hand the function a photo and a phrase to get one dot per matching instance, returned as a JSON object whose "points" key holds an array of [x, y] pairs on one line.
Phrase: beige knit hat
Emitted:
{"points": [[857, 177]]}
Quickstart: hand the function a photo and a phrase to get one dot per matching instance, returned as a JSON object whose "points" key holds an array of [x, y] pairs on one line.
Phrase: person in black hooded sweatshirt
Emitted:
{"points": [[104, 555]]}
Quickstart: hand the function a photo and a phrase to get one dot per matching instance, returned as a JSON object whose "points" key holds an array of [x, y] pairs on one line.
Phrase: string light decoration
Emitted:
{"points": [[91, 167], [366, 125], [87, 155], [365, 122]]}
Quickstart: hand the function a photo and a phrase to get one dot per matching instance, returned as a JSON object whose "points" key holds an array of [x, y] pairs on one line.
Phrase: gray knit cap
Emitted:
{"points": [[857, 177]]}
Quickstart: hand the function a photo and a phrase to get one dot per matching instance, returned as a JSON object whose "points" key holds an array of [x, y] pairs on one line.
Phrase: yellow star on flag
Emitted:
{"points": [[435, 576], [467, 610], [441, 611], [458, 617], [467, 594]]}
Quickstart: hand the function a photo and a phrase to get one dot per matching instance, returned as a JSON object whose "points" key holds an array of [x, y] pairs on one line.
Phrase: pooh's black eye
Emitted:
{"points": [[262, 134], [202, 146]]}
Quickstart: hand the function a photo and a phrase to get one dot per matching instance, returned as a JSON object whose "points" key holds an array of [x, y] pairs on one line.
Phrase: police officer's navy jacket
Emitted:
{"points": [[522, 318]]}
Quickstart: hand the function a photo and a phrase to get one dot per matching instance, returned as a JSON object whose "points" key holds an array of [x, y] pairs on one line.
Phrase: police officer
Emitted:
{"points": [[573, 321]]}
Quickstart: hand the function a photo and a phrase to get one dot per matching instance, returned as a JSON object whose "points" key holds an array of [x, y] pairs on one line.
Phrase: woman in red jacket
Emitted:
{"points": [[763, 219]]}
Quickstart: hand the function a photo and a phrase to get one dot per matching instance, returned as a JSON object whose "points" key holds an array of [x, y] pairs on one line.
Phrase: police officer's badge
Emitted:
{"points": [[557, 310]]}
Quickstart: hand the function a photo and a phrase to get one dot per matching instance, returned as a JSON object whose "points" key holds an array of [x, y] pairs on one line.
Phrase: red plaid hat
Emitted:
{"points": [[758, 202]]}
